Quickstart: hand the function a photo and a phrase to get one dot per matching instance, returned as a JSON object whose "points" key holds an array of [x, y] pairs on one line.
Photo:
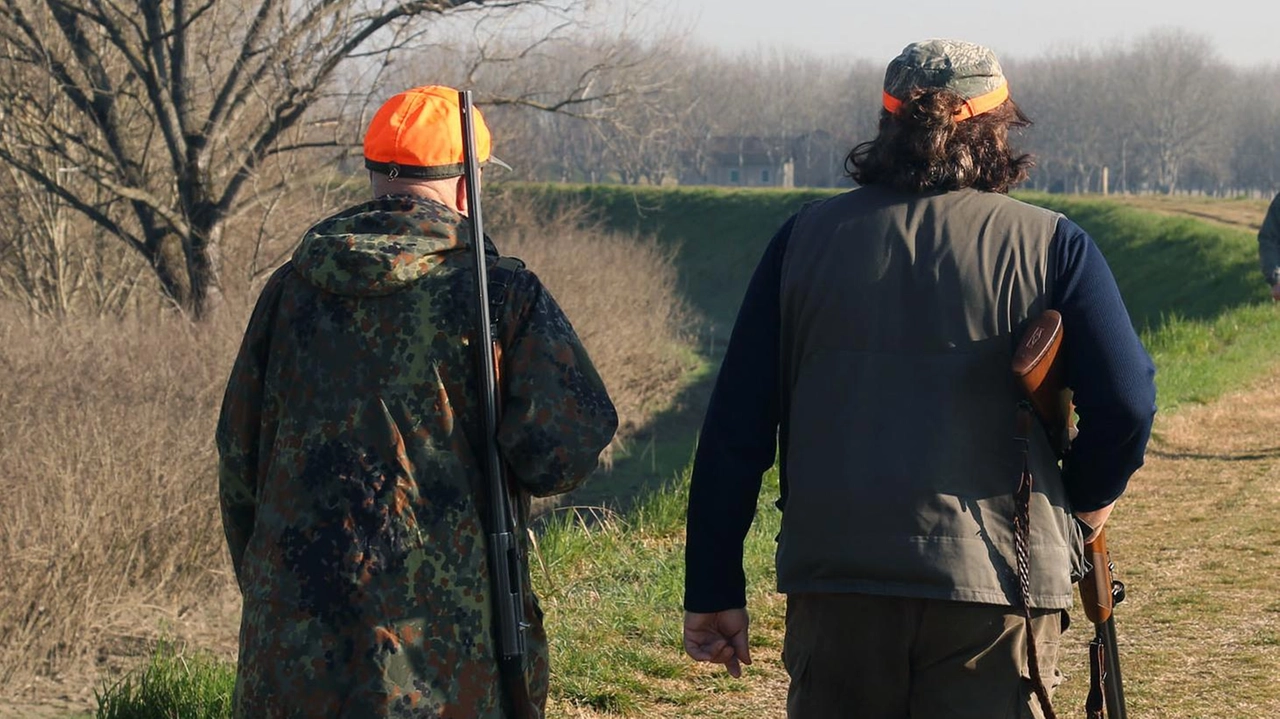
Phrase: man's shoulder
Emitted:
{"points": [[505, 269], [1031, 206], [516, 276], [270, 292], [996, 209], [856, 201]]}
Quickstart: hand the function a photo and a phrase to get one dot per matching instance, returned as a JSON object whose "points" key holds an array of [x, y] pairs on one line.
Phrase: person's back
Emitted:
{"points": [[351, 444], [912, 396], [921, 563]]}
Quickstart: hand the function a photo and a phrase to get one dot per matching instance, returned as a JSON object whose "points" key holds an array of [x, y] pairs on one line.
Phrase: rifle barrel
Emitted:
{"points": [[1113, 685], [488, 369], [505, 565]]}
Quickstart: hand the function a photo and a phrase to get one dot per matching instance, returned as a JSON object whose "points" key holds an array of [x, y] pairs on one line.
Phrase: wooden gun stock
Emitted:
{"points": [[1096, 586], [1039, 371]]}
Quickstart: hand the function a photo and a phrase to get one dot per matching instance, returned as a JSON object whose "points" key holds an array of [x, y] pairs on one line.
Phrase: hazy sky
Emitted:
{"points": [[1244, 32]]}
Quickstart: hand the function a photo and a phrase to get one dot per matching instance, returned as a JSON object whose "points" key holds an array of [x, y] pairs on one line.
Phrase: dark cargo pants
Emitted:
{"points": [[871, 657]]}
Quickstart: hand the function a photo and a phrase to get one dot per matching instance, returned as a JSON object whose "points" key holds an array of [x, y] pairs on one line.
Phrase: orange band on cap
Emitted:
{"points": [[891, 103], [983, 103], [972, 106]]}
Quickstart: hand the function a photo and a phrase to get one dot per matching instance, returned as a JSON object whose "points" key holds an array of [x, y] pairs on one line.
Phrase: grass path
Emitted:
{"points": [[1198, 545], [1244, 213], [1195, 540]]}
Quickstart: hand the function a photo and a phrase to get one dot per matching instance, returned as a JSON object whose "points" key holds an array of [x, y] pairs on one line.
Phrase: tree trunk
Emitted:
{"points": [[204, 264]]}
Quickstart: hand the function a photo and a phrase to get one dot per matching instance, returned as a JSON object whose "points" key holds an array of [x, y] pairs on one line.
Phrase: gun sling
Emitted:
{"points": [[1022, 553]]}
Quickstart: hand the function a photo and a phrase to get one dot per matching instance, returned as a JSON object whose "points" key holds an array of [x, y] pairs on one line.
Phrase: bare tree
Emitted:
{"points": [[1172, 84], [591, 104], [53, 263], [1255, 155], [52, 260], [174, 107], [1062, 95]]}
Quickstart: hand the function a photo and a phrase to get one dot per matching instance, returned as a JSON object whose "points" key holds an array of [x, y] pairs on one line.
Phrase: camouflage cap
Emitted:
{"points": [[968, 69]]}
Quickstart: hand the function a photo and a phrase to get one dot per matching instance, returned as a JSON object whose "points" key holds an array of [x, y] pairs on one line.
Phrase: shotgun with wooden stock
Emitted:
{"points": [[1038, 366]]}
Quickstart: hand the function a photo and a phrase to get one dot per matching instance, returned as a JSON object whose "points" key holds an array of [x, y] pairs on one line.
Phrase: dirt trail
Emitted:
{"points": [[1195, 539], [1245, 214]]}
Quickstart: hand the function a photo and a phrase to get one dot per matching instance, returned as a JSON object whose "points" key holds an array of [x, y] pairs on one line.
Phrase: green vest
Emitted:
{"points": [[900, 313]]}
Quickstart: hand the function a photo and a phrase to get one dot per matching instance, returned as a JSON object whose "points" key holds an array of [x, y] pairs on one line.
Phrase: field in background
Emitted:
{"points": [[1244, 213], [613, 575], [716, 234]]}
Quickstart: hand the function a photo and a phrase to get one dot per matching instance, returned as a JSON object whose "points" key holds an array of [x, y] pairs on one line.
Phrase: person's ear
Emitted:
{"points": [[461, 196]]}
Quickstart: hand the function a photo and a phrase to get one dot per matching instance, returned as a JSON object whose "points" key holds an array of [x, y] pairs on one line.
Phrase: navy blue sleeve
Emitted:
{"points": [[737, 444], [1109, 371], [1269, 242]]}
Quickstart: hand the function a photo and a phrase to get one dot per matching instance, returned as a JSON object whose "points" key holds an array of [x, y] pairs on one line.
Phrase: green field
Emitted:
{"points": [[611, 576]]}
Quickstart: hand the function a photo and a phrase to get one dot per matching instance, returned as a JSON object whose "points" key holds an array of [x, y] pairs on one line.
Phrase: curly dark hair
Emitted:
{"points": [[923, 148]]}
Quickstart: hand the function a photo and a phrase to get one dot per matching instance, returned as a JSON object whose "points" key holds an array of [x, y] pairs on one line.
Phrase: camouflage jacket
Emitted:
{"points": [[350, 481]]}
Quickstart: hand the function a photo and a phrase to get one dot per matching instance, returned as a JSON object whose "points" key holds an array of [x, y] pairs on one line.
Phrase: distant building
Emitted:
{"points": [[814, 159]]}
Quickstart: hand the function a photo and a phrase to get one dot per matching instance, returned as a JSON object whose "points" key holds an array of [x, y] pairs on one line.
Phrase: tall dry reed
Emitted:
{"points": [[109, 521], [107, 478], [620, 293]]}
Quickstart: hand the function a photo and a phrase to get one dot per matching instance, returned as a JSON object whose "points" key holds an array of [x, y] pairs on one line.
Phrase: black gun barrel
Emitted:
{"points": [[506, 567], [1112, 683]]}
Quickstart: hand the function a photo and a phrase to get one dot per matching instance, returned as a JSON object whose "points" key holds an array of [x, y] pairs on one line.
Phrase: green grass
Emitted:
{"points": [[1166, 265], [1198, 360], [658, 452], [172, 686], [613, 590]]}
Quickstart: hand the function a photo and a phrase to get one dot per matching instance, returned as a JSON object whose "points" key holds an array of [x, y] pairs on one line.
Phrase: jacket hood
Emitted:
{"points": [[378, 247]]}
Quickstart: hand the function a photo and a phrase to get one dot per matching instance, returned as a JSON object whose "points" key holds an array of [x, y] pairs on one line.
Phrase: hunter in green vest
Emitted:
{"points": [[873, 351]]}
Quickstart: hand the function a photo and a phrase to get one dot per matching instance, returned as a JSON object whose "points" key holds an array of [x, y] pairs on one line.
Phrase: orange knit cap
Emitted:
{"points": [[418, 133]]}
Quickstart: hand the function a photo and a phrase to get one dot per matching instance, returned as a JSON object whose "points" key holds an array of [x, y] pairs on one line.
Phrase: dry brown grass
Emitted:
{"points": [[620, 293], [106, 469], [109, 525]]}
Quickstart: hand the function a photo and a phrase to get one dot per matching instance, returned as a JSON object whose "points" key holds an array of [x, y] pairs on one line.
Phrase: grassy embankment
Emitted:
{"points": [[715, 237], [612, 588]]}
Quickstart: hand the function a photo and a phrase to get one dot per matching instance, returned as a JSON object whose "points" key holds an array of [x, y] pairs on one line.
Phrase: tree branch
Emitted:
{"points": [[72, 200]]}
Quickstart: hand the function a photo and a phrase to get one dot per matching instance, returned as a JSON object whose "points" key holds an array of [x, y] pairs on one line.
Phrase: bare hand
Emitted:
{"points": [[719, 637]]}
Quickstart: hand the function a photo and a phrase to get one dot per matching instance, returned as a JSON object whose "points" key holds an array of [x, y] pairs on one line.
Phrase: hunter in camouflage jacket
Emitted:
{"points": [[350, 481]]}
